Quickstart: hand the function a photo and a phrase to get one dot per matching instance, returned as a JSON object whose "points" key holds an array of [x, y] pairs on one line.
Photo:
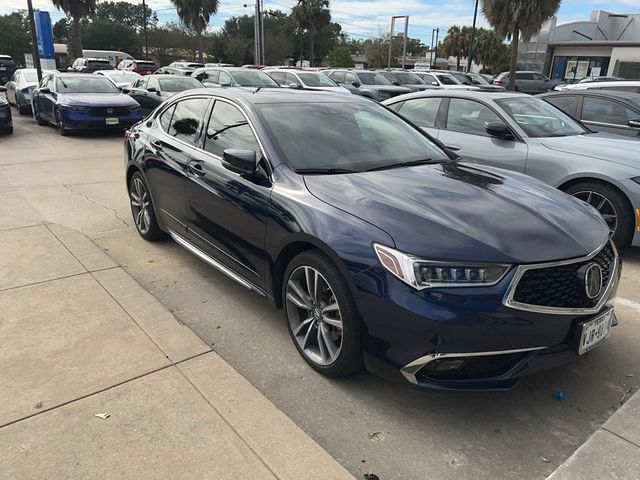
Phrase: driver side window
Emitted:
{"points": [[153, 83], [350, 78], [469, 116], [228, 128]]}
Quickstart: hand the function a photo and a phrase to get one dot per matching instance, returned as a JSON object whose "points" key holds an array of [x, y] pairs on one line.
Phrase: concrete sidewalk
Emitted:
{"points": [[612, 452], [81, 337]]}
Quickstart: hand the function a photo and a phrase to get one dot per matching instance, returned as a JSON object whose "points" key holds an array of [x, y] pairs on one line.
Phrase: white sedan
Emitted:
{"points": [[120, 78], [305, 79]]}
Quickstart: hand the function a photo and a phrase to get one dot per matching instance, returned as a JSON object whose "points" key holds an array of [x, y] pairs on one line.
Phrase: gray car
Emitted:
{"points": [[526, 134], [151, 90], [366, 83], [528, 82], [19, 88]]}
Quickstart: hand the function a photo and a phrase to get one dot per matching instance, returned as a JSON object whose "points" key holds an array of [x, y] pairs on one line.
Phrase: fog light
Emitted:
{"points": [[448, 364]]}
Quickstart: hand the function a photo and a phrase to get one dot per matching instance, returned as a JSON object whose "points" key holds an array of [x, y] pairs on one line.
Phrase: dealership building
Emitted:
{"points": [[607, 44]]}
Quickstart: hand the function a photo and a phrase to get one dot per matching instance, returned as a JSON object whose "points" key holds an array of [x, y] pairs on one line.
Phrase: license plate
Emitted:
{"points": [[112, 120], [595, 331]]}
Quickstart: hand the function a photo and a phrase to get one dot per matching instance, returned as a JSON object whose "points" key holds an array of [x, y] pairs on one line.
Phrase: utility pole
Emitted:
{"points": [[256, 34], [436, 46], [34, 41], [433, 34], [473, 34], [262, 32], [144, 27]]}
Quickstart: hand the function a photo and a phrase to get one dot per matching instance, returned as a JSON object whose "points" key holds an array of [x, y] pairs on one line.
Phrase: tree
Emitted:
{"points": [[515, 18], [456, 43], [15, 35], [61, 30], [312, 16], [237, 49], [126, 13], [106, 35], [340, 57], [490, 50], [77, 9], [195, 14]]}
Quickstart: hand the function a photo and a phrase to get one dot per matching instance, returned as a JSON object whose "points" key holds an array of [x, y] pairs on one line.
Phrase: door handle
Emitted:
{"points": [[196, 169], [455, 148]]}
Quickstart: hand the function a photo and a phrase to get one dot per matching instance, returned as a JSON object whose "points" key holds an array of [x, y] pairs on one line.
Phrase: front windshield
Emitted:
{"points": [[316, 80], [178, 84], [372, 78], [87, 84], [253, 78], [352, 136], [539, 118], [447, 79], [405, 78], [477, 79]]}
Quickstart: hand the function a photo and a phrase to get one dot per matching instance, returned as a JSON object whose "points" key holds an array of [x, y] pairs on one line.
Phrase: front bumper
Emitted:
{"points": [[83, 121], [413, 334]]}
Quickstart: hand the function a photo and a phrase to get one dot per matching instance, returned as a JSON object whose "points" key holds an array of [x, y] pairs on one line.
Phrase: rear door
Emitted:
{"points": [[464, 133], [169, 148], [541, 83], [228, 211], [525, 82], [607, 115]]}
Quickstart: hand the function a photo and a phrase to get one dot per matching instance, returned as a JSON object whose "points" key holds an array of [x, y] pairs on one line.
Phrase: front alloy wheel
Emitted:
{"points": [[321, 315]]}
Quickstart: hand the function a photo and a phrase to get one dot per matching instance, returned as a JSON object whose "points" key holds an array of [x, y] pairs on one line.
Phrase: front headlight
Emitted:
{"points": [[75, 108], [422, 273]]}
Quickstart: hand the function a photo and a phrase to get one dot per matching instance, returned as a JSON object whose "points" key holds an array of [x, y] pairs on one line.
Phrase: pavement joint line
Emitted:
{"points": [[86, 197], [64, 277], [617, 435], [8, 229], [104, 389], [249, 446], [628, 303]]}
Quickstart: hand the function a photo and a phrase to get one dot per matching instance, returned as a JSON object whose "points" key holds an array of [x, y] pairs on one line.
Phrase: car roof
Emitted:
{"points": [[168, 75], [621, 94], [471, 94]]}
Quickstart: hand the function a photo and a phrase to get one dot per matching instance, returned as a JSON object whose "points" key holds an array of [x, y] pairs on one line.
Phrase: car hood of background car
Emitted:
{"points": [[466, 213], [97, 99], [612, 148]]}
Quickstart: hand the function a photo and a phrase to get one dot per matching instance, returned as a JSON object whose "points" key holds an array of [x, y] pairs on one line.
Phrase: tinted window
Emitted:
{"points": [[371, 78], [537, 76], [178, 84], [539, 119], [141, 83], [421, 111], [153, 83], [278, 77], [316, 79], [446, 79], [350, 78], [85, 84], [291, 80], [165, 118], [186, 119], [469, 116], [567, 103], [228, 128], [252, 78], [606, 111], [524, 76], [224, 79], [338, 76]]}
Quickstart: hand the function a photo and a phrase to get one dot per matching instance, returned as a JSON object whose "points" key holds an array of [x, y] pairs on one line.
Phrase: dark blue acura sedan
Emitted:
{"points": [[77, 101], [382, 248]]}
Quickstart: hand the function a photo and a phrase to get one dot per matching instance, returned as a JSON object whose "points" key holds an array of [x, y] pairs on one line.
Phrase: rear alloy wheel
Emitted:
{"points": [[612, 206], [321, 314], [142, 209]]}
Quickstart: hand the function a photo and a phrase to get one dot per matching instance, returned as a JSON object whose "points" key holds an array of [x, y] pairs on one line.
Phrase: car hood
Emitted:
{"points": [[466, 213], [610, 148], [96, 99]]}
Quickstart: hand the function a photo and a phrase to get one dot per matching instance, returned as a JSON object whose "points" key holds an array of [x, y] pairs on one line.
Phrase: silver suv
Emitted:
{"points": [[528, 82]]}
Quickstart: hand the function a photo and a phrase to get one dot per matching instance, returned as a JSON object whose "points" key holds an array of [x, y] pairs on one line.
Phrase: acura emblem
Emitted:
{"points": [[110, 111], [593, 280]]}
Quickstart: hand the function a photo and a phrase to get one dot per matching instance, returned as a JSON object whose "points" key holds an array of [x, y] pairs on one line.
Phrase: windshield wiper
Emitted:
{"points": [[325, 171], [412, 163]]}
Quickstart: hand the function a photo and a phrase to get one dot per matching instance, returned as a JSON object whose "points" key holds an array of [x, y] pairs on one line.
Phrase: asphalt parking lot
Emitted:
{"points": [[368, 424]]}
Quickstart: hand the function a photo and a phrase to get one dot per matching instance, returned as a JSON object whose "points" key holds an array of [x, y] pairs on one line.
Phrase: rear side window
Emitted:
{"points": [[278, 77], [469, 116], [567, 103], [537, 76], [421, 111], [186, 119], [165, 118], [224, 79], [603, 110], [228, 128], [524, 76]]}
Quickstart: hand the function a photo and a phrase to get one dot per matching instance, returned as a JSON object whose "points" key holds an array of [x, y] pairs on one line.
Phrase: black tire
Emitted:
{"points": [[349, 358], [23, 110], [151, 232], [41, 121], [8, 130], [625, 224], [62, 130]]}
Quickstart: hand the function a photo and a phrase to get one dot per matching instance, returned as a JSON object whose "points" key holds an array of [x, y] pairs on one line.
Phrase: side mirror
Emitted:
{"points": [[634, 123], [45, 90], [396, 83], [435, 84], [3, 88], [152, 90], [498, 129], [244, 162], [294, 85], [225, 84], [125, 90], [356, 84]]}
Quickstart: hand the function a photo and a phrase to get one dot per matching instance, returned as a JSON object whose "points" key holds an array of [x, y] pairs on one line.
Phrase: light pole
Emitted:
{"points": [[436, 45], [34, 41], [433, 34], [473, 34], [404, 45], [144, 28]]}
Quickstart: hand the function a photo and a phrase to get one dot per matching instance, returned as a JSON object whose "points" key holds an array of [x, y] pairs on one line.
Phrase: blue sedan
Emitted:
{"points": [[82, 102], [381, 247]]}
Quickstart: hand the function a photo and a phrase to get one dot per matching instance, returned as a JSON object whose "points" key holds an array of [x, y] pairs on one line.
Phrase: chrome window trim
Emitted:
{"points": [[509, 302], [604, 124], [410, 370]]}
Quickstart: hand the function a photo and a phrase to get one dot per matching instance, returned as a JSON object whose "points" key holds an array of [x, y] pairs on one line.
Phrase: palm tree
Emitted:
{"points": [[456, 43], [78, 9], [313, 16], [518, 17], [195, 14]]}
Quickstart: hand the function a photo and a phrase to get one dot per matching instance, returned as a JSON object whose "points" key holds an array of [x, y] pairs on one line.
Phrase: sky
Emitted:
{"points": [[365, 18]]}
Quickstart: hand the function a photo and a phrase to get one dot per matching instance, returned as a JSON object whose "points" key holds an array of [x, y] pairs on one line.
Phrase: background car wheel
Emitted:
{"points": [[23, 110], [611, 204], [321, 315], [41, 121], [62, 130], [144, 215]]}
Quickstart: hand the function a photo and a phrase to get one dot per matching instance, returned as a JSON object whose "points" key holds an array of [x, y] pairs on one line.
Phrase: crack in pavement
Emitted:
{"points": [[90, 200]]}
